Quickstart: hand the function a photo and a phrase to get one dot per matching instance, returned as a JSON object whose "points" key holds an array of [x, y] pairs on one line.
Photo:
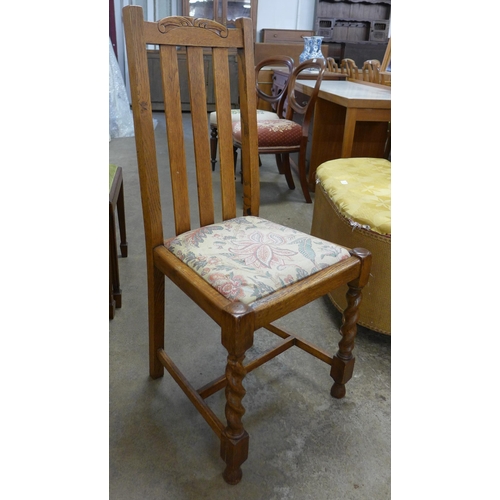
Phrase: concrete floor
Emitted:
{"points": [[303, 443]]}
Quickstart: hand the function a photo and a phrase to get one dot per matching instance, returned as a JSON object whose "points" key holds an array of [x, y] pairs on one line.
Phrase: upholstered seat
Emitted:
{"points": [[247, 258], [274, 134], [361, 189], [235, 116]]}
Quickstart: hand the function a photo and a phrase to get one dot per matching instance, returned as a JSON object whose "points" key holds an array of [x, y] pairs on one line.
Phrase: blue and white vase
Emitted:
{"points": [[312, 48]]}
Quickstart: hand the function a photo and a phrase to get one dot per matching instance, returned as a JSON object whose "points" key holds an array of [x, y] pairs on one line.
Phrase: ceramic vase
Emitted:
{"points": [[312, 48]]}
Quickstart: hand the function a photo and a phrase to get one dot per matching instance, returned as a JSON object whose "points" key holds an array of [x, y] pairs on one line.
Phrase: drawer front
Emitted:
{"points": [[285, 36]]}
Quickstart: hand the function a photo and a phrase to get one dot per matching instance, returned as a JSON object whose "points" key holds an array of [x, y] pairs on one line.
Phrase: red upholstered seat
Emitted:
{"points": [[274, 134]]}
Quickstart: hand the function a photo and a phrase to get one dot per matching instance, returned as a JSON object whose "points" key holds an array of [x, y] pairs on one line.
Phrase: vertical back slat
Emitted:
{"points": [[224, 131], [143, 127], [248, 110], [175, 135], [197, 89], [196, 35]]}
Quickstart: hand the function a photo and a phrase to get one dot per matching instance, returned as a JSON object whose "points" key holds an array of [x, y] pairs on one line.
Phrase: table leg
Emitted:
{"points": [[349, 128]]}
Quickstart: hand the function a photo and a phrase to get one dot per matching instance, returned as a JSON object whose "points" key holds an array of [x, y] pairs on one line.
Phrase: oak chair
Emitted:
{"points": [[287, 136], [116, 205], [261, 94], [331, 65], [244, 272], [371, 71], [348, 66]]}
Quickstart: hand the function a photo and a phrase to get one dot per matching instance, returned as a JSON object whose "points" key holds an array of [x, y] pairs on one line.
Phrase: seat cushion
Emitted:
{"points": [[248, 258], [274, 134], [235, 116], [360, 189]]}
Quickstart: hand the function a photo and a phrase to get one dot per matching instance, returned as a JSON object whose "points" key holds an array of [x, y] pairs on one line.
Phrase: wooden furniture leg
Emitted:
{"points": [[112, 302], [113, 253], [343, 361], [237, 338], [156, 312], [116, 203], [120, 207], [213, 147], [283, 162], [349, 128], [303, 174]]}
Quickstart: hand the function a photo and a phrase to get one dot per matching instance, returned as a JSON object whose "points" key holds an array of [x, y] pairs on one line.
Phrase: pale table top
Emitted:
{"points": [[349, 94]]}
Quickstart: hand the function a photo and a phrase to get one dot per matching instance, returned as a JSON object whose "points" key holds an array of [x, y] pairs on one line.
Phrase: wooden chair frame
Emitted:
{"points": [[331, 65], [348, 66], [237, 321], [269, 98], [293, 108], [371, 71]]}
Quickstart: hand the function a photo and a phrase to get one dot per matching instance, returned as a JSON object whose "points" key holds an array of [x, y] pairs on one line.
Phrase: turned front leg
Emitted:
{"points": [[234, 445], [343, 361], [237, 337]]}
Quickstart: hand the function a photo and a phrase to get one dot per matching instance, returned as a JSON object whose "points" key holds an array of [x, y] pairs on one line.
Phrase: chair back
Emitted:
{"points": [[371, 71], [275, 100], [348, 66], [331, 65], [197, 36], [300, 107]]}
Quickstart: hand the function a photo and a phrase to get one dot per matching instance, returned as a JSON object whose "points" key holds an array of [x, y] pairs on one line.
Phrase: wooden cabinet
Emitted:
{"points": [[354, 29], [157, 89], [285, 36], [223, 11]]}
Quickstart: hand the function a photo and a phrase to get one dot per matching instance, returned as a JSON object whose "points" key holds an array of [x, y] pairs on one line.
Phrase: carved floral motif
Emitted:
{"points": [[169, 23]]}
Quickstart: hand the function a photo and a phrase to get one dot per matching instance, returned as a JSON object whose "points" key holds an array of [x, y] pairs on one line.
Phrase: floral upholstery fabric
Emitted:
{"points": [[248, 258], [235, 116], [361, 189], [274, 134]]}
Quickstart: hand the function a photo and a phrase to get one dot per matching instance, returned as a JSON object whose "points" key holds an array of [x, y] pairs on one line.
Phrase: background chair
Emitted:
{"points": [[285, 136], [116, 204], [244, 272], [371, 71], [348, 66], [274, 100], [331, 65]]}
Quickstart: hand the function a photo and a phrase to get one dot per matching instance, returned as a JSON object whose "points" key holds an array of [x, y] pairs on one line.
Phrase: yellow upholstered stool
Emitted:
{"points": [[352, 207]]}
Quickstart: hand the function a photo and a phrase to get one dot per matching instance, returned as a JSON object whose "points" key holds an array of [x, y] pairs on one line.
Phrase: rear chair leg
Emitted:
{"points": [[213, 147], [156, 311]]}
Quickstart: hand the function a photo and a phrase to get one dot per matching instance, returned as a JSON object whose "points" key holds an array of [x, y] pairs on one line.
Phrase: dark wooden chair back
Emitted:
{"points": [[276, 101], [299, 105]]}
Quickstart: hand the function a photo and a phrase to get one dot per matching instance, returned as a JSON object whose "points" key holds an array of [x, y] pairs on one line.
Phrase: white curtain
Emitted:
{"points": [[121, 122]]}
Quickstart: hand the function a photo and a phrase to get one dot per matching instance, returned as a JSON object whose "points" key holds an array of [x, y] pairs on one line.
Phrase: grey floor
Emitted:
{"points": [[303, 443]]}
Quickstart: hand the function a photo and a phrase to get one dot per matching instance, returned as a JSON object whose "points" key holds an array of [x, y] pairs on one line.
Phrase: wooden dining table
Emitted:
{"points": [[351, 119]]}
